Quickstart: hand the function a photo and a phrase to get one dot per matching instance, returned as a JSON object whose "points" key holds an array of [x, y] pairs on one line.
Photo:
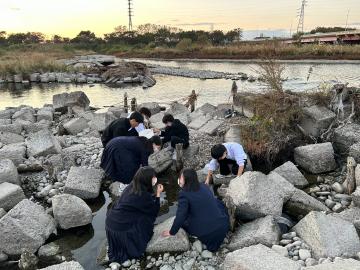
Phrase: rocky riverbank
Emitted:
{"points": [[49, 174]]}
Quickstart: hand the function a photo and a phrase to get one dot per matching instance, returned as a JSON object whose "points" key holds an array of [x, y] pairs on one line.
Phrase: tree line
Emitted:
{"points": [[147, 34]]}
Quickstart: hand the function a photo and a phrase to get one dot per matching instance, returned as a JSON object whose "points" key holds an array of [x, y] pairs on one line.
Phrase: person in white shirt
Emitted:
{"points": [[230, 157], [146, 113]]}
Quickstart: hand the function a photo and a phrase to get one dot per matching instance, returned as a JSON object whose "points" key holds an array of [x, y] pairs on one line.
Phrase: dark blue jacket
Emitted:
{"points": [[117, 128], [199, 213], [122, 157]]}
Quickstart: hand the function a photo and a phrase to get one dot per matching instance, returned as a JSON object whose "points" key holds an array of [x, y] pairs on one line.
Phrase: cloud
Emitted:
{"points": [[15, 8]]}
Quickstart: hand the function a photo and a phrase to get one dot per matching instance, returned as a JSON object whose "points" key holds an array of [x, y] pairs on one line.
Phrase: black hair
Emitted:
{"points": [[168, 118], [217, 151], [191, 180], [142, 181], [156, 140], [137, 117], [145, 111]]}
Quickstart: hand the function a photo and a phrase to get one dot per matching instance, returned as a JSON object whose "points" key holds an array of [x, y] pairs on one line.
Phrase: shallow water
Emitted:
{"points": [[170, 88]]}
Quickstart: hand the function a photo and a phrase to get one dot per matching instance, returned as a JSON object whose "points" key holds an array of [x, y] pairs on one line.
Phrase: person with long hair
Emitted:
{"points": [[199, 213], [123, 156], [130, 222]]}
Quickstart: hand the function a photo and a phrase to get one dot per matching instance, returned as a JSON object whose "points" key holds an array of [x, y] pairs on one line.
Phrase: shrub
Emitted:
{"points": [[184, 44]]}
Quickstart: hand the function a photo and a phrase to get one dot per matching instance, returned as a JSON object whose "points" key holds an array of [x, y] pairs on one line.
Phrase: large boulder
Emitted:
{"points": [[211, 127], [341, 264], [351, 215], [176, 109], [36, 127], [258, 257], [12, 128], [355, 152], [65, 266], [292, 174], [345, 136], [357, 175], [356, 197], [5, 114], [100, 121], [154, 107], [74, 101], [84, 183], [316, 158], [26, 226], [159, 244], [10, 138], [256, 195], [46, 113], [15, 152], [10, 195], [316, 119], [42, 143], [200, 121], [260, 231], [207, 109], [70, 211], [328, 236], [25, 114], [76, 125], [301, 204], [8, 172]]}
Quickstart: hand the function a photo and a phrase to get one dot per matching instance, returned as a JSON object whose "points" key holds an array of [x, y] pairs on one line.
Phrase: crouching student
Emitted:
{"points": [[146, 113], [199, 213], [175, 132], [130, 222], [123, 156], [230, 157]]}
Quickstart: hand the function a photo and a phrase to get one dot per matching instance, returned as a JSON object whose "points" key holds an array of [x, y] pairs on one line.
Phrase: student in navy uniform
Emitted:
{"points": [[175, 132], [146, 113], [130, 222], [122, 127], [199, 213], [123, 156], [230, 157]]}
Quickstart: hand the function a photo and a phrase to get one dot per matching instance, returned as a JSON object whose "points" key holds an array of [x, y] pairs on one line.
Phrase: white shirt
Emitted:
{"points": [[140, 127], [234, 152]]}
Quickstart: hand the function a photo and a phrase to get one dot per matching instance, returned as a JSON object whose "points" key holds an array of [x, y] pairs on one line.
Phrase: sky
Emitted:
{"points": [[276, 17]]}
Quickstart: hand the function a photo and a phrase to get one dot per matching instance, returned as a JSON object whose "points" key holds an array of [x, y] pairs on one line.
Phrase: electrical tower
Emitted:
{"points": [[300, 27], [130, 15]]}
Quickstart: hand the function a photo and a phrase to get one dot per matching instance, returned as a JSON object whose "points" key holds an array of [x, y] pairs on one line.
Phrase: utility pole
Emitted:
{"points": [[130, 15], [300, 27]]}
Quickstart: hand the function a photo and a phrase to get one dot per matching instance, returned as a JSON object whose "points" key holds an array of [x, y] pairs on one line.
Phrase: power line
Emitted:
{"points": [[130, 15], [300, 27]]}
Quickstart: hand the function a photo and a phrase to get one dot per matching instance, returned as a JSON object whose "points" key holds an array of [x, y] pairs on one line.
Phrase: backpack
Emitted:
{"points": [[161, 161]]}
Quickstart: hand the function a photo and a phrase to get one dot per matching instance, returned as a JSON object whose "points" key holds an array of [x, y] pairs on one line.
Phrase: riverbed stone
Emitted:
{"points": [[10, 195], [356, 197], [15, 152], [42, 143], [176, 109], [292, 174], [154, 107], [257, 195], [10, 138], [158, 243], [354, 152], [45, 113], [301, 204], [346, 136], [351, 215], [5, 121], [328, 236], [316, 119], [74, 100], [5, 114], [72, 265], [101, 120], [36, 127], [8, 172], [233, 134], [76, 125], [211, 127], [26, 226], [260, 231], [316, 158], [258, 257], [25, 114], [342, 264], [199, 122], [207, 109], [70, 211], [2, 212], [84, 183], [11, 128], [357, 175]]}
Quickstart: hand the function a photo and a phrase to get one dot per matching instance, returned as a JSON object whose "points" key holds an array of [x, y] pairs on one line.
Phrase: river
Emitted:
{"points": [[170, 88]]}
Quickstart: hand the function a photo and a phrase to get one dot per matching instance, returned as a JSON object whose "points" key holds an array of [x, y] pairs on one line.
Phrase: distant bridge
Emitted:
{"points": [[347, 37]]}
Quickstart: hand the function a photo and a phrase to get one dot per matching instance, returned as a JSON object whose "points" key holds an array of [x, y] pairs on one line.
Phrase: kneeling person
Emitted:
{"points": [[230, 157]]}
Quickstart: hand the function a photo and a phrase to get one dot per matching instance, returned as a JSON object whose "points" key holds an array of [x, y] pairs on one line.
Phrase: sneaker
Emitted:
{"points": [[220, 176]]}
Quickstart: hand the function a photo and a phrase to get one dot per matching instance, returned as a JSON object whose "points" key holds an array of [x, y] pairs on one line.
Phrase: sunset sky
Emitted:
{"points": [[68, 17]]}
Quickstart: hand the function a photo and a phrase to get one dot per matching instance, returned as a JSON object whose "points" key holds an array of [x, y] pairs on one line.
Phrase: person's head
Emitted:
{"points": [[135, 119], [156, 143], [218, 152], [144, 180], [168, 119], [146, 113], [188, 180]]}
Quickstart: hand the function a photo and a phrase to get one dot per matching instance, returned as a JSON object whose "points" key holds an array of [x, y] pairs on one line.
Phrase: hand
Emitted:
{"points": [[156, 130], [159, 190], [165, 234], [207, 181]]}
